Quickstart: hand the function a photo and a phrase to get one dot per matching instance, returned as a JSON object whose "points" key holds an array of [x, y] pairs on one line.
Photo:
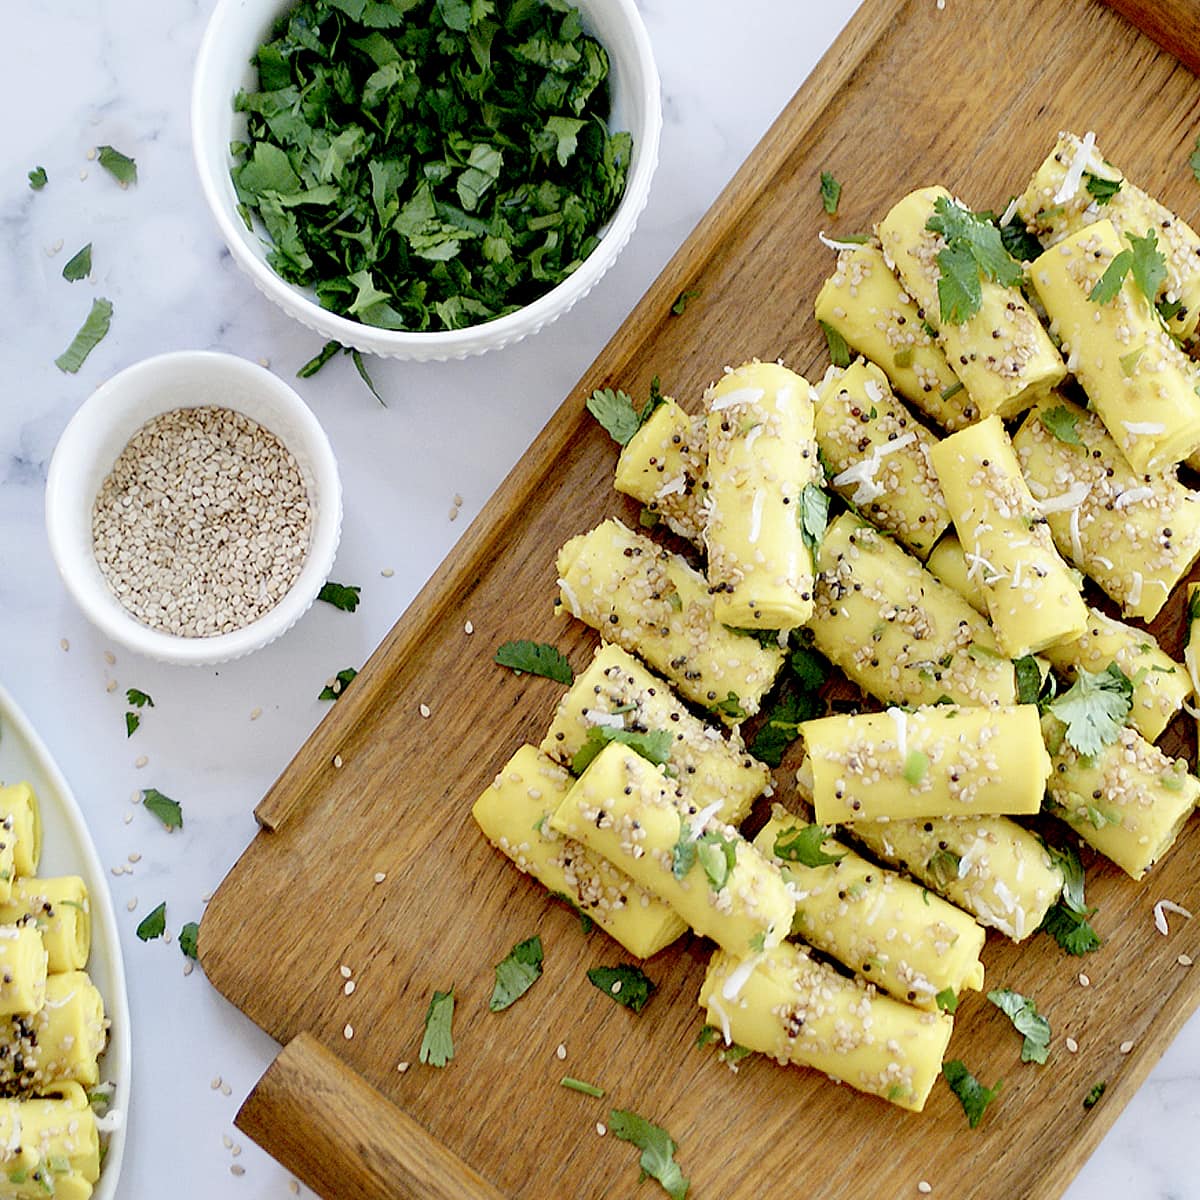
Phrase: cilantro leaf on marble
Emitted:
{"points": [[91, 333], [120, 166]]}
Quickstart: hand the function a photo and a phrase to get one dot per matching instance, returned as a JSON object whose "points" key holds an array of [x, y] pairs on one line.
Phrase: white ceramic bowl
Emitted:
{"points": [[238, 27], [101, 429]]}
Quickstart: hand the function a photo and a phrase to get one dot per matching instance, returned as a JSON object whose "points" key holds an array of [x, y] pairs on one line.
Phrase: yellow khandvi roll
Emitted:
{"points": [[797, 1010], [61, 1041], [60, 908], [1129, 801], [618, 692], [887, 929], [762, 461], [1076, 187], [653, 604], [1191, 641], [1001, 353], [1135, 535], [865, 303], [879, 455], [514, 814], [1031, 595], [941, 761], [22, 969], [664, 465], [49, 1146], [21, 816], [896, 631], [1140, 383], [627, 810]]}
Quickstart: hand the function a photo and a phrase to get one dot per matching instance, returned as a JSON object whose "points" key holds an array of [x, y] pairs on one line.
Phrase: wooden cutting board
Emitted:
{"points": [[971, 96]]}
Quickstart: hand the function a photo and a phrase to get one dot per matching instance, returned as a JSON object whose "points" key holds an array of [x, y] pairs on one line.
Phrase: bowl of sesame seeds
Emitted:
{"points": [[194, 507]]}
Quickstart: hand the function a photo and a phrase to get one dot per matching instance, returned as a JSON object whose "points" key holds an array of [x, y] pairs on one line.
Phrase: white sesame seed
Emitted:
{"points": [[236, 1150], [206, 897], [127, 818], [83, 175], [924, 1188], [135, 797], [188, 967], [387, 572], [424, 710], [601, 1128], [226, 1090], [91, 154], [1072, 1045], [402, 1067], [1083, 980], [345, 971], [64, 644], [111, 686], [469, 628], [1184, 960], [616, 987], [237, 1169], [337, 761], [294, 1187], [454, 514], [216, 1082], [140, 761], [226, 1141], [264, 362], [117, 870], [561, 1052], [349, 987], [380, 876], [1126, 1047], [134, 856], [255, 713], [166, 932], [110, 658], [457, 501], [131, 904], [348, 1031]]}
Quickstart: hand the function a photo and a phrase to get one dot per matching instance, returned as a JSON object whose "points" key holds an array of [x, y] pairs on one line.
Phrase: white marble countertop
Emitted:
{"points": [[86, 72]]}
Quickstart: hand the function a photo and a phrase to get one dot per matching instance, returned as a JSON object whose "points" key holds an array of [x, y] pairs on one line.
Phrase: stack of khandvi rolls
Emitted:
{"points": [[927, 518], [52, 1023]]}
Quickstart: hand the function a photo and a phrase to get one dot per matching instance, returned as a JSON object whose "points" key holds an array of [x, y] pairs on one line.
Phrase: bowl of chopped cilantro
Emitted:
{"points": [[426, 179]]}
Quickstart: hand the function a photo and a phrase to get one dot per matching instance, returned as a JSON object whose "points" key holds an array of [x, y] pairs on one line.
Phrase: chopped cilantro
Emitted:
{"points": [[120, 166], [943, 867], [579, 1085], [733, 1053], [782, 724], [810, 668], [839, 351], [813, 515], [437, 1044], [1149, 267], [1070, 930], [1019, 242], [916, 767], [517, 973], [188, 937], [805, 846], [973, 250], [831, 192], [1062, 423], [163, 807], [626, 984], [657, 1149], [536, 658], [1027, 1021], [79, 265], [1067, 861], [91, 333], [132, 721], [154, 924], [1098, 1089], [731, 707], [1029, 679], [1193, 614], [1109, 284], [947, 1000], [138, 698], [654, 746], [683, 300], [340, 595], [337, 688], [38, 178], [319, 359], [707, 1035], [972, 1095], [1094, 708], [718, 857], [361, 368], [1101, 190], [1193, 161], [948, 393], [1130, 361], [614, 410]]}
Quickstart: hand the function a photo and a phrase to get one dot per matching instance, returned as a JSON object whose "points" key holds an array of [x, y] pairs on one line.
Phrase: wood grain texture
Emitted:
{"points": [[302, 900], [341, 1137], [1173, 24]]}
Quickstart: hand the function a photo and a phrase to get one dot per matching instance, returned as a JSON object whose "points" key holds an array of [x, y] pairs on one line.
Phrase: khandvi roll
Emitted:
{"points": [[942, 761], [61, 1041], [1129, 801], [762, 471], [1001, 353], [653, 604], [1135, 535], [896, 631], [887, 929], [1191, 641], [617, 692], [21, 817], [49, 1146], [22, 969], [627, 810], [61, 910], [787, 1005], [879, 456], [514, 813], [866, 304], [1140, 383], [1076, 187], [664, 465], [1031, 595]]}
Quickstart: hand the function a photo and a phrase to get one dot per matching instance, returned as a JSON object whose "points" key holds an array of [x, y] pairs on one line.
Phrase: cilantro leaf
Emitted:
{"points": [[79, 265], [120, 166], [839, 351], [614, 410], [972, 1095], [718, 857], [361, 368], [1193, 161], [657, 1147], [1019, 242], [38, 178], [959, 290], [1062, 423], [804, 846], [1101, 190], [731, 707], [1098, 1089], [810, 668], [138, 698], [627, 984], [813, 515], [132, 721], [943, 866], [683, 853], [1027, 1021], [163, 807], [1029, 679], [947, 1000], [1067, 861], [337, 685], [974, 249], [580, 1085], [91, 333], [782, 724], [437, 1044], [1094, 708], [683, 300], [154, 924], [319, 359], [188, 939], [1070, 930], [831, 192], [1149, 267], [653, 745], [1109, 284], [536, 658], [340, 595], [707, 1035], [517, 973]]}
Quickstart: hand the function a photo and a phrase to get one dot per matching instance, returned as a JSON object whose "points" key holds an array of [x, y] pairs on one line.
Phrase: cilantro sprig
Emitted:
{"points": [[614, 410], [804, 846], [972, 1094], [1062, 423], [1094, 708], [974, 251], [653, 745], [535, 658], [1027, 1021], [657, 1147], [1143, 260]]}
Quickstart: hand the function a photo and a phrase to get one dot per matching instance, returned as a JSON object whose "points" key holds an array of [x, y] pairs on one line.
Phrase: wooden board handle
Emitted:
{"points": [[344, 1139], [1173, 24]]}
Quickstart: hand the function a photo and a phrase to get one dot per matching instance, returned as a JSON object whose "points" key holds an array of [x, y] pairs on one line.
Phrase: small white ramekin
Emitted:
{"points": [[101, 429], [223, 66]]}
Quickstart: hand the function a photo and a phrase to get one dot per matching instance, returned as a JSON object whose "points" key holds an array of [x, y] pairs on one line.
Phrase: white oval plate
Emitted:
{"points": [[67, 849]]}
